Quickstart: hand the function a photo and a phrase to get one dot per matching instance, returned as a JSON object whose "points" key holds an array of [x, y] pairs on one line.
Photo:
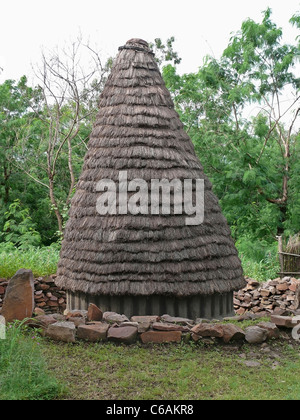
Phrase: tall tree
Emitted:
{"points": [[245, 133], [16, 100], [65, 113], [263, 68]]}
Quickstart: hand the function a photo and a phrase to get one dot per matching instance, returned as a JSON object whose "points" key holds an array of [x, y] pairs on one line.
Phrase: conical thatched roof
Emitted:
{"points": [[138, 130]]}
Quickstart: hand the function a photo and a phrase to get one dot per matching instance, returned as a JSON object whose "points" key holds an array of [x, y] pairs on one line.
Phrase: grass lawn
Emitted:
{"points": [[23, 370], [33, 367], [42, 261], [170, 372]]}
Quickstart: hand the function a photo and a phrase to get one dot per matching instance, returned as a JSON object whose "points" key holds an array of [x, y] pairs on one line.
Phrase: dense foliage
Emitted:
{"points": [[241, 111]]}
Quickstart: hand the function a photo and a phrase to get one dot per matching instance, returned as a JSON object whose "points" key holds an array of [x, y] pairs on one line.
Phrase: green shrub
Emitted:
{"points": [[41, 260], [19, 228], [259, 258], [23, 373]]}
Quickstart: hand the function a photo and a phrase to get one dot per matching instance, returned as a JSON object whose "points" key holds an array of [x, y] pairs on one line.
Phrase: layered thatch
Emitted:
{"points": [[138, 130]]}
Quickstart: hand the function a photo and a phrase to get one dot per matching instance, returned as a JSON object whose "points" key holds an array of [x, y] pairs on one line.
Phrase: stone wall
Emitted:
{"points": [[47, 295]]}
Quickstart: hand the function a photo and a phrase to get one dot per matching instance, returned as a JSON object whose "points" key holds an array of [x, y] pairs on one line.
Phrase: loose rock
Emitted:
{"points": [[283, 321], [94, 313], [296, 333], [93, 332], [44, 321], [163, 326], [271, 328], [19, 297], [143, 326], [208, 330], [232, 333], [145, 318], [177, 320], [127, 335], [255, 335], [62, 331], [39, 311], [114, 317]]}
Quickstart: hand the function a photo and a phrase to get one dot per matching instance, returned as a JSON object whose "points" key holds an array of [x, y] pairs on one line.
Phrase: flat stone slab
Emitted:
{"points": [[163, 326], [18, 302], [129, 324], [127, 335], [177, 320], [208, 330], [161, 337], [141, 326], [285, 321], [93, 332], [62, 331], [42, 321], [282, 287], [145, 318], [114, 317]]}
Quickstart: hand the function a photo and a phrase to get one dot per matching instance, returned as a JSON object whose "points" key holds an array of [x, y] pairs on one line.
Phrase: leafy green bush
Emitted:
{"points": [[23, 373], [19, 228], [259, 258]]}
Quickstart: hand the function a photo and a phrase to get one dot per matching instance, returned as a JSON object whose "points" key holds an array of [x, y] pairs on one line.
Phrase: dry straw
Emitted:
{"points": [[138, 130]]}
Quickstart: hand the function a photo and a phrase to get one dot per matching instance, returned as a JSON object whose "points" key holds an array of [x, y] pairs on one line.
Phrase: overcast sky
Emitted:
{"points": [[200, 27]]}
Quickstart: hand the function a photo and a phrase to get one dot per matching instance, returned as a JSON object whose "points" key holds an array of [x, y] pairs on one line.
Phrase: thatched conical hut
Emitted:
{"points": [[145, 263]]}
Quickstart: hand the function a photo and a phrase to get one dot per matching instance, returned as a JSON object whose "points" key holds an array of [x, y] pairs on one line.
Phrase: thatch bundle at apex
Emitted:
{"points": [[145, 263]]}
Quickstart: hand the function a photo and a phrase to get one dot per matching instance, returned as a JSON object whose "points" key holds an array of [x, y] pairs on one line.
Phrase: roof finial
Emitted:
{"points": [[137, 44]]}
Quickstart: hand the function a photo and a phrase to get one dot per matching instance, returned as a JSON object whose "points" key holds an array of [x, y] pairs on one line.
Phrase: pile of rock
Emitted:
{"points": [[278, 296], [95, 326], [47, 295]]}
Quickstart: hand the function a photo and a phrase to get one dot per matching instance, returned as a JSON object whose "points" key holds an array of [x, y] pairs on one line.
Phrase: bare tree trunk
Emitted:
{"points": [[55, 206], [68, 92], [7, 173], [71, 171]]}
